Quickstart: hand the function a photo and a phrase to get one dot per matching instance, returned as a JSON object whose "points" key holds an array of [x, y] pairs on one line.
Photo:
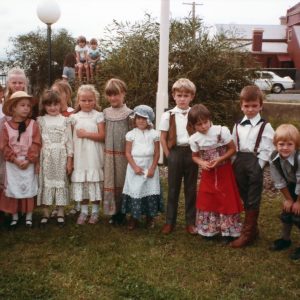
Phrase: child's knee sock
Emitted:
{"points": [[60, 211], [286, 231], [85, 209], [15, 217], [46, 212], [95, 209], [29, 216]]}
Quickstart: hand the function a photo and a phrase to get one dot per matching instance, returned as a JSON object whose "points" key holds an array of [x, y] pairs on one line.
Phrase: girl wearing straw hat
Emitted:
{"points": [[20, 144]]}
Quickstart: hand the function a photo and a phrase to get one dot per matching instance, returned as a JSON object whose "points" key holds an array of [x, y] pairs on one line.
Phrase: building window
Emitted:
{"points": [[289, 35]]}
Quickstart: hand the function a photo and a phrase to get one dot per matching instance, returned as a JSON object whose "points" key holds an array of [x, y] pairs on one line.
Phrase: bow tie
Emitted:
{"points": [[246, 122]]}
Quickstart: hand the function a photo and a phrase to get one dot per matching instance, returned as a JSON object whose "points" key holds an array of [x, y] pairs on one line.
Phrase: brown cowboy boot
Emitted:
{"points": [[249, 232]]}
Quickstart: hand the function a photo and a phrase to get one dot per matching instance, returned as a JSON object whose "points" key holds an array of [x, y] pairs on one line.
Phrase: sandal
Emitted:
{"points": [[82, 219], [150, 223], [132, 223], [60, 221], [28, 223], [94, 219]]}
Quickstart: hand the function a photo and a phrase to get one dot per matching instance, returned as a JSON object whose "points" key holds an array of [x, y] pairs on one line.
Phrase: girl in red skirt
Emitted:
{"points": [[218, 202]]}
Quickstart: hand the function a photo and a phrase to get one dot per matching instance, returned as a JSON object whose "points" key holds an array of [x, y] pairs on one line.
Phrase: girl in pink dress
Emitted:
{"points": [[20, 144], [218, 202]]}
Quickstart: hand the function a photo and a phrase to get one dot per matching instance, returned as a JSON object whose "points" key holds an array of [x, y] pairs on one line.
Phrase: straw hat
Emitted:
{"points": [[14, 98]]}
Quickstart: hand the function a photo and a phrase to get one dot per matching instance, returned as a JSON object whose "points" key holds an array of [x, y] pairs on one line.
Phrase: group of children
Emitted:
{"points": [[112, 156], [85, 58]]}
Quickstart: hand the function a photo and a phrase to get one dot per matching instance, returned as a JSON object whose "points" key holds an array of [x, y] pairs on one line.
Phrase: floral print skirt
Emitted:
{"points": [[212, 223]]}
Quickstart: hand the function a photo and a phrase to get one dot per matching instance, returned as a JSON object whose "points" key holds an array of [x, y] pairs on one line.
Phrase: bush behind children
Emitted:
{"points": [[112, 156]]}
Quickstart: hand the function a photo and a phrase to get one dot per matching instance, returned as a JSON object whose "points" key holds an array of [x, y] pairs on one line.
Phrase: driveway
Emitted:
{"points": [[289, 96]]}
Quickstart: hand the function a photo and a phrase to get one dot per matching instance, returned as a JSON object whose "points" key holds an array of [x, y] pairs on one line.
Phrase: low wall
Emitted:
{"points": [[281, 110]]}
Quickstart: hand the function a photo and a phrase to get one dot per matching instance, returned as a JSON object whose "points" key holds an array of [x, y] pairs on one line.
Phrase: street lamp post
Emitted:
{"points": [[48, 12]]}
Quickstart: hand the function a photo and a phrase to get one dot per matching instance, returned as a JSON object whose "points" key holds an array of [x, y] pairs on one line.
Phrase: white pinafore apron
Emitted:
{"points": [[20, 183]]}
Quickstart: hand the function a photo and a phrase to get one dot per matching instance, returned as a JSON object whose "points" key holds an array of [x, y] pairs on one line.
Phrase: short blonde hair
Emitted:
{"points": [[87, 88], [115, 86], [251, 93], [287, 132], [184, 84]]}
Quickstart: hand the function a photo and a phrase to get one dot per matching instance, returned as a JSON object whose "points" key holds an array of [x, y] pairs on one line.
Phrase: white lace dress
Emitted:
{"points": [[141, 194], [57, 145], [88, 157]]}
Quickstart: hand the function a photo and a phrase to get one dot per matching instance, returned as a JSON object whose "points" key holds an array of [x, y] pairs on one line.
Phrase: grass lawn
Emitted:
{"points": [[106, 262]]}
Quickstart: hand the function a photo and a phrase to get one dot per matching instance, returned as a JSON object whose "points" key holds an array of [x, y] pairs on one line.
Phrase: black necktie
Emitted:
{"points": [[21, 129], [246, 122]]}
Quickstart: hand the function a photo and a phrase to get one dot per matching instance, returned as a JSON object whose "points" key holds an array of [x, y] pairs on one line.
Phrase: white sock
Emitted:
{"points": [[77, 206], [15, 217], [29, 216], [85, 209], [95, 209]]}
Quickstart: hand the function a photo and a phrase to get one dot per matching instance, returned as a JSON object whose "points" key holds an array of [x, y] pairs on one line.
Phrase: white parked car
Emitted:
{"points": [[269, 81]]}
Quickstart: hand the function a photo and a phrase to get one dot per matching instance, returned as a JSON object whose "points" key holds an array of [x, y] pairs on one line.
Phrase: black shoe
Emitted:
{"points": [[60, 221], [43, 222], [280, 244], [295, 255], [28, 223], [13, 224], [228, 239], [117, 219]]}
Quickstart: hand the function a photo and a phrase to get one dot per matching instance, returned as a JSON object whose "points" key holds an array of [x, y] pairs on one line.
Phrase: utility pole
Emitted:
{"points": [[193, 15]]}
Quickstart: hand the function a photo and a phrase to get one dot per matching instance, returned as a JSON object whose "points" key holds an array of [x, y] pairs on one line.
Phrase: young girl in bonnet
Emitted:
{"points": [[141, 192], [20, 144]]}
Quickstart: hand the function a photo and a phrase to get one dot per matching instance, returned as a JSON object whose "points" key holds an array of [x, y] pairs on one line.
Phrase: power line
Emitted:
{"points": [[193, 8]]}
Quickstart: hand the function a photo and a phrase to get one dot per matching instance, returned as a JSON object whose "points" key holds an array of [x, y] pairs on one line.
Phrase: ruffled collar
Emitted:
{"points": [[117, 114]]}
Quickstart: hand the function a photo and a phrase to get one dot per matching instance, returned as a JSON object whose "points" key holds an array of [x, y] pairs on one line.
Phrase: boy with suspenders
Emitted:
{"points": [[253, 137]]}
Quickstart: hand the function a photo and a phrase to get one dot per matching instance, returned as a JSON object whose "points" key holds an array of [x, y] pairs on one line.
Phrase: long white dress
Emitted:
{"points": [[88, 157], [57, 145], [141, 194]]}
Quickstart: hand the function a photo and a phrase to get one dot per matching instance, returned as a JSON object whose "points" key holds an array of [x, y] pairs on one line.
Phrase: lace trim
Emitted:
{"points": [[117, 114]]}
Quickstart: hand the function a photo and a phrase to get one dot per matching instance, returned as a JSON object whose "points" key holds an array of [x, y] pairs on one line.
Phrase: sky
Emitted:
{"points": [[89, 17]]}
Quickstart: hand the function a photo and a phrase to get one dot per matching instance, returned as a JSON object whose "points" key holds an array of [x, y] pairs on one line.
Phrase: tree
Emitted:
{"points": [[30, 52], [214, 64], [130, 52]]}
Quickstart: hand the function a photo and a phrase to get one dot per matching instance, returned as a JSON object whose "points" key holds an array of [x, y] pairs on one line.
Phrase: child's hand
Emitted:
{"points": [[138, 170], [24, 164], [205, 165], [287, 205], [214, 163], [81, 133], [296, 208], [69, 167], [150, 173]]}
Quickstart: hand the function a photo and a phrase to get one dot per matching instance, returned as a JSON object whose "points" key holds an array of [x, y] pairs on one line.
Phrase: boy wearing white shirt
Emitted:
{"points": [[253, 138], [174, 140]]}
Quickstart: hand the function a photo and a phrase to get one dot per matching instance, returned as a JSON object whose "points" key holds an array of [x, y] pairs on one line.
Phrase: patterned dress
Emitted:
{"points": [[218, 201], [57, 146], [141, 194], [117, 124]]}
